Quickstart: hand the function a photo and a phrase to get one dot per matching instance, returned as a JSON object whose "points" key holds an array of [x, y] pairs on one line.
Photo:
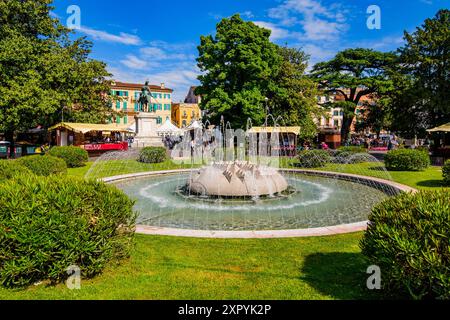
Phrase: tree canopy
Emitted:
{"points": [[421, 96], [244, 72], [42, 70], [354, 73]]}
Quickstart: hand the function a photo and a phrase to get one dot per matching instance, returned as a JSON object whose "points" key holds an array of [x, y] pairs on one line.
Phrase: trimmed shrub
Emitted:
{"points": [[11, 169], [350, 149], [44, 165], [73, 156], [352, 158], [152, 155], [408, 238], [446, 172], [407, 160], [313, 158], [51, 223]]}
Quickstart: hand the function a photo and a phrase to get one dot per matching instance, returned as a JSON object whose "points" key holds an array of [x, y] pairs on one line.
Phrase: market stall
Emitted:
{"points": [[441, 150], [287, 136], [91, 137]]}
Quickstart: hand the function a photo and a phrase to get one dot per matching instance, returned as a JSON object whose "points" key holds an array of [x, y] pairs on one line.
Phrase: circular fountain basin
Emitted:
{"points": [[236, 179], [324, 203]]}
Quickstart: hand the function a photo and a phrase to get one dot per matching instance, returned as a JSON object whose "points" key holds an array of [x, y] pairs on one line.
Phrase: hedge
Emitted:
{"points": [[407, 160], [10, 169], [51, 223], [313, 158], [44, 165], [73, 156], [446, 172], [152, 155], [408, 238]]}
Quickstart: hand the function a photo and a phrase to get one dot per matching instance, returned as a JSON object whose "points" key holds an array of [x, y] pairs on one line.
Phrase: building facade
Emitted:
{"points": [[183, 114], [333, 118], [127, 101]]}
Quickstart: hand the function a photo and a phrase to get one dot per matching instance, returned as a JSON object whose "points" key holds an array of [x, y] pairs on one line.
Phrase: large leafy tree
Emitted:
{"points": [[294, 98], [43, 71], [421, 98], [354, 73], [238, 64]]}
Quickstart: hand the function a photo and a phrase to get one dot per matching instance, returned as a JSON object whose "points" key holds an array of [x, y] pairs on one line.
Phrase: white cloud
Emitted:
{"points": [[277, 32], [134, 62], [317, 21], [247, 14], [123, 38], [158, 54]]}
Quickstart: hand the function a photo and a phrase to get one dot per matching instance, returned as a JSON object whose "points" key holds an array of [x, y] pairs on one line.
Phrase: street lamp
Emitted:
{"points": [[267, 110]]}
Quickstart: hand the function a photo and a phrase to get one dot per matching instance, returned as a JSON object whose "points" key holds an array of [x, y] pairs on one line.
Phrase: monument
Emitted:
{"points": [[146, 122]]}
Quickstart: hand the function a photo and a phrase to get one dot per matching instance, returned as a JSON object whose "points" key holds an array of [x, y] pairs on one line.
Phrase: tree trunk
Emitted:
{"points": [[9, 136]]}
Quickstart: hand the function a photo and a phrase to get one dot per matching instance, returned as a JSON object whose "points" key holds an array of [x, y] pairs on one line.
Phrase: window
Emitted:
{"points": [[184, 124], [136, 106], [167, 107], [335, 113], [155, 107], [160, 95], [336, 123], [118, 120], [118, 104], [125, 120], [154, 95], [342, 113], [159, 106], [168, 96], [125, 105], [158, 120]]}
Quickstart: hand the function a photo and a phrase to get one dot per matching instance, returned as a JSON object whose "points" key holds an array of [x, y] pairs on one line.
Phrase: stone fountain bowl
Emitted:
{"points": [[237, 179]]}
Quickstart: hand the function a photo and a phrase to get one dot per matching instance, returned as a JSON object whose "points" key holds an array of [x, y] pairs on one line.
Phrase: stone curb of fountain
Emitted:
{"points": [[261, 234]]}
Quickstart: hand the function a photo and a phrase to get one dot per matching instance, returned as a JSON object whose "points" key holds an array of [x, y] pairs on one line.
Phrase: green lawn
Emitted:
{"points": [[186, 268]]}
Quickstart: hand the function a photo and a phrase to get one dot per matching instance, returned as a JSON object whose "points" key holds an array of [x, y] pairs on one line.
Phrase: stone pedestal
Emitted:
{"points": [[146, 135]]}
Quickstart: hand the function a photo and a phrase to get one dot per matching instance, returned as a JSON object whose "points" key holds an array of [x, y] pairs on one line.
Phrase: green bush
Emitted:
{"points": [[152, 155], [44, 165], [352, 158], [11, 169], [408, 238], [350, 149], [51, 223], [446, 172], [73, 156], [313, 158], [407, 160]]}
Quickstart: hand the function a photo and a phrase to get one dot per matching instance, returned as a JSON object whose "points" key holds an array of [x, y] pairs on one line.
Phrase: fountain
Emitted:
{"points": [[241, 186], [237, 179]]}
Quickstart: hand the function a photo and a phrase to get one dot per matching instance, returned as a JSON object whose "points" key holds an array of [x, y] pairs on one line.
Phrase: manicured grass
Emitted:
{"points": [[186, 268]]}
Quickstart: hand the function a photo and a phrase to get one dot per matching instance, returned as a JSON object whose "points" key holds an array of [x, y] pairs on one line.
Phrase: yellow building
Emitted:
{"points": [[161, 102], [183, 114]]}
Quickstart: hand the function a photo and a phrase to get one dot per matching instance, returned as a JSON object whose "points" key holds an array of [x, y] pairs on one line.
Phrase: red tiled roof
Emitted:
{"points": [[135, 86]]}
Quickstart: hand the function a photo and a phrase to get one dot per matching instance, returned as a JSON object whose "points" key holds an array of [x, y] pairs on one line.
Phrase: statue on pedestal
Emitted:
{"points": [[145, 98]]}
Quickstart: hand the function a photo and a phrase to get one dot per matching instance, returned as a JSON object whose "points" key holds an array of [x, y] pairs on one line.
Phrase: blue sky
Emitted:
{"points": [[156, 40]]}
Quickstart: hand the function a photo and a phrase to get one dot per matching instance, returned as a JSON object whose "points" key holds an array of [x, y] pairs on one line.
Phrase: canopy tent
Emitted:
{"points": [[169, 129], [195, 125], [292, 130], [89, 127], [443, 128]]}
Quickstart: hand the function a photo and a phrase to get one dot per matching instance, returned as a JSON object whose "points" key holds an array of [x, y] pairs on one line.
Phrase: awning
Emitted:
{"points": [[89, 127], [168, 128], [293, 130], [443, 128], [195, 125]]}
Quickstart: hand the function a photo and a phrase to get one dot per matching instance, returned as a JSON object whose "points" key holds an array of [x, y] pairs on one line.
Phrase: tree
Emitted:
{"points": [[421, 99], [238, 66], [376, 117], [294, 98], [354, 73], [42, 70]]}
